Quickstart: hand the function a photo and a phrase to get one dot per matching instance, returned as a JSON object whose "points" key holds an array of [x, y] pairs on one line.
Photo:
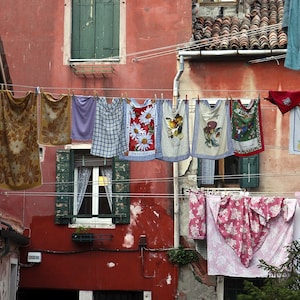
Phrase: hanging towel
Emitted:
{"points": [[291, 22], [174, 143], [284, 100], [109, 134], [247, 134], [83, 117], [294, 141], [55, 122], [212, 130], [197, 215], [140, 130], [272, 250], [19, 155]]}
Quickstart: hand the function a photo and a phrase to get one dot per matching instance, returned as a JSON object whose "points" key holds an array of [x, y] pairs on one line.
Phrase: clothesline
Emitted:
{"points": [[203, 43], [151, 195], [157, 91], [183, 179]]}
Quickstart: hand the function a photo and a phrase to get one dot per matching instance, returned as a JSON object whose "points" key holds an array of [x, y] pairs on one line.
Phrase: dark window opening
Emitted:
{"points": [[46, 294], [118, 295], [234, 286]]}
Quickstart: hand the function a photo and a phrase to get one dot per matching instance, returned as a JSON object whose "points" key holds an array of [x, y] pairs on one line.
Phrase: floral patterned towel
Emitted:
{"points": [[247, 134], [197, 215], [55, 120], [140, 130], [212, 130], [19, 155]]}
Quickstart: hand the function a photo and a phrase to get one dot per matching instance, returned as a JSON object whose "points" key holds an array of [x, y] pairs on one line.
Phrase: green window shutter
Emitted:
{"points": [[249, 168], [121, 203], [64, 186], [95, 29]]}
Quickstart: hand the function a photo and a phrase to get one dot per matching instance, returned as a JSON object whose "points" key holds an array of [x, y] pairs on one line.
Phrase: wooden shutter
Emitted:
{"points": [[108, 27], [64, 186], [121, 203], [95, 29], [249, 168]]}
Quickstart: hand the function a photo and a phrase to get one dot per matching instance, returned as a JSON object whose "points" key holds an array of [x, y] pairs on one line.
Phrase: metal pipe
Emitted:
{"points": [[177, 77], [175, 164], [186, 53]]}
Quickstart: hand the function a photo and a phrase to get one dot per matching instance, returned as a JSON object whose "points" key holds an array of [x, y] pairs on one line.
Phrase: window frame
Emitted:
{"points": [[244, 178], [67, 58], [65, 164], [86, 221]]}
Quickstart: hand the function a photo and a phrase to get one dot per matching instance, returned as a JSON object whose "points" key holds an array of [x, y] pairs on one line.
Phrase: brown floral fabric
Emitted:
{"points": [[55, 120], [19, 150]]}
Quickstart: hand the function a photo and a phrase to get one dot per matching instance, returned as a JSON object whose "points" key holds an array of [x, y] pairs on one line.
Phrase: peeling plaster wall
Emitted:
{"points": [[190, 288]]}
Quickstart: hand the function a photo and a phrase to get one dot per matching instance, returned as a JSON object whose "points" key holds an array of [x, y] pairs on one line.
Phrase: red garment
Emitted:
{"points": [[243, 223], [285, 100]]}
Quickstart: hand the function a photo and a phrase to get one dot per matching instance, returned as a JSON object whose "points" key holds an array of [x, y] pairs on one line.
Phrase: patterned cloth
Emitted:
{"points": [[272, 250], [55, 121], [247, 134], [83, 117], [109, 134], [212, 130], [141, 130], [197, 215], [174, 143], [19, 154], [284, 100], [294, 141], [244, 223]]}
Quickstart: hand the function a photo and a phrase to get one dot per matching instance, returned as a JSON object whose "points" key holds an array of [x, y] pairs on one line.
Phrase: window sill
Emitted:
{"points": [[105, 223], [92, 69]]}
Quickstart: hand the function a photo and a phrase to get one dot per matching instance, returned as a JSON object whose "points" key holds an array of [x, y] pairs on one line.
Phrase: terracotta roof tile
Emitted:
{"points": [[258, 29]]}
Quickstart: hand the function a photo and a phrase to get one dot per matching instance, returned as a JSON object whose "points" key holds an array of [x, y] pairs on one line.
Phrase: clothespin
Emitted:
{"points": [[37, 90], [162, 96]]}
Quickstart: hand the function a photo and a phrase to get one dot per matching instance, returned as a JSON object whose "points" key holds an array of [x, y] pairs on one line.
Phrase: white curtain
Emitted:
{"points": [[107, 172], [84, 174]]}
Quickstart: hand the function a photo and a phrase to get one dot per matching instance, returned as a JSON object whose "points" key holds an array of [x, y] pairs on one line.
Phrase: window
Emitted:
{"points": [[91, 190], [95, 29], [92, 187], [232, 171]]}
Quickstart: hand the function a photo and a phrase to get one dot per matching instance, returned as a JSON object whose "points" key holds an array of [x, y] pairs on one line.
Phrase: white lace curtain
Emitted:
{"points": [[84, 174]]}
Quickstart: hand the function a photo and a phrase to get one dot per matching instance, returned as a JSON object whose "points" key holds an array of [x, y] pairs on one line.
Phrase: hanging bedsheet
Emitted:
{"points": [[19, 156], [247, 134], [55, 120], [109, 134], [212, 130], [270, 247], [140, 130], [83, 117], [174, 143]]}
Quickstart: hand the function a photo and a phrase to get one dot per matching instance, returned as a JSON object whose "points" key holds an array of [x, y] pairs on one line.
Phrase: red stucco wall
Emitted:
{"points": [[33, 39]]}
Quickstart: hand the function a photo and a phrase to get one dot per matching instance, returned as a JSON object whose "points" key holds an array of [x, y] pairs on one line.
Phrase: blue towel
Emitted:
{"points": [[291, 21]]}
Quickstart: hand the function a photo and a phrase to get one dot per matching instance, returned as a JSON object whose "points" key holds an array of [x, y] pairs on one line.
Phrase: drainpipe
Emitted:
{"points": [[175, 164]]}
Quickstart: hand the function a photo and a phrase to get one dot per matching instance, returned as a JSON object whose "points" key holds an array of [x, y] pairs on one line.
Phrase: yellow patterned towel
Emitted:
{"points": [[55, 120], [19, 150]]}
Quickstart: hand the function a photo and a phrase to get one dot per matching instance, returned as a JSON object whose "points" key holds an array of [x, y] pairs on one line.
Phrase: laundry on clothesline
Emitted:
{"points": [[241, 229]]}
